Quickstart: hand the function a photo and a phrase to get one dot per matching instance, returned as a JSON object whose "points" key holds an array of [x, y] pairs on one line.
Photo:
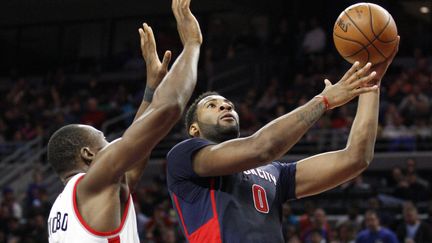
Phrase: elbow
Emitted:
{"points": [[172, 111], [360, 157]]}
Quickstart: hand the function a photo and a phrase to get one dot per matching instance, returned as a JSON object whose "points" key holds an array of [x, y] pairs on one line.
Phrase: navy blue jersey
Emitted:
{"points": [[242, 207]]}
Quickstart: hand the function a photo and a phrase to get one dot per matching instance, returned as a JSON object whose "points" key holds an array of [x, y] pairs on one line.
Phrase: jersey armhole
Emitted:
{"points": [[86, 226]]}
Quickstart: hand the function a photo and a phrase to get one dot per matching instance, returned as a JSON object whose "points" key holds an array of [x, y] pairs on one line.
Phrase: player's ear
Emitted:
{"points": [[194, 130], [87, 155]]}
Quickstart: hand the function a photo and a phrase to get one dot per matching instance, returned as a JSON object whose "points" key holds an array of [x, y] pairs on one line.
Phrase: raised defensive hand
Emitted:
{"points": [[381, 68], [187, 25], [351, 85], [156, 70]]}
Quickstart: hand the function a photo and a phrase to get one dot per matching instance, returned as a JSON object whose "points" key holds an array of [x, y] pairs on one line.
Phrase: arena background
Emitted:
{"points": [[77, 61]]}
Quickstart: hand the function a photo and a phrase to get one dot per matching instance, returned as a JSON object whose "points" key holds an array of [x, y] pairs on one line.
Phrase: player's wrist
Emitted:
{"points": [[192, 44], [148, 93], [324, 101]]}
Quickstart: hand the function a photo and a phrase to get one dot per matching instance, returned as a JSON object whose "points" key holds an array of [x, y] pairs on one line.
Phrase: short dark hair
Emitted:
{"points": [[65, 145], [191, 116]]}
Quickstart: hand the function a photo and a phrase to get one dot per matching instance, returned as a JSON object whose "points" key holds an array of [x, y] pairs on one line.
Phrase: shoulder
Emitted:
{"points": [[187, 147], [363, 234], [180, 157]]}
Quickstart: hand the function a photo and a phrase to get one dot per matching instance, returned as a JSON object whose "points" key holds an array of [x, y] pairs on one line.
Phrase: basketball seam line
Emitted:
{"points": [[379, 34], [357, 52], [355, 25], [361, 44], [385, 26]]}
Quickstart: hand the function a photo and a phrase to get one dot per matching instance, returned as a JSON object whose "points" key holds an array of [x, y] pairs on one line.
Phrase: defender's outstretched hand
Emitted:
{"points": [[156, 70], [187, 25], [381, 68]]}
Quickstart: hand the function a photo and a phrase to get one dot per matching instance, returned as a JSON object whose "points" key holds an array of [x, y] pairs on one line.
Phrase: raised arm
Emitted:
{"points": [[277, 137], [156, 71], [325, 171], [165, 110]]}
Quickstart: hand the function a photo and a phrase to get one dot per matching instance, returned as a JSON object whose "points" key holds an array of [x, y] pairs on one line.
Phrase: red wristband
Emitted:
{"points": [[325, 101]]}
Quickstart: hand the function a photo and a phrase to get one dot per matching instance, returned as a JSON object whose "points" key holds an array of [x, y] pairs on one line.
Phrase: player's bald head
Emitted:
{"points": [[65, 144]]}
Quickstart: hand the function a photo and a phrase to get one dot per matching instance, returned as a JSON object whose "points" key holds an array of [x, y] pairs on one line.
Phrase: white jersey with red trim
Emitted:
{"points": [[65, 224]]}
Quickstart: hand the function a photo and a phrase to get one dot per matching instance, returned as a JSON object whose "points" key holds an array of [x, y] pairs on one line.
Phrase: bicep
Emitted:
{"points": [[323, 172], [229, 157]]}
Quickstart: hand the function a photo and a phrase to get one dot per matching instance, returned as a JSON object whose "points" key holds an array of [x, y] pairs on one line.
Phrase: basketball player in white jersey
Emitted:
{"points": [[96, 205]]}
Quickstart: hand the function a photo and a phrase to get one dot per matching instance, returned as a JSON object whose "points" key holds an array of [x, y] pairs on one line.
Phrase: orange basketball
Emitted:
{"points": [[365, 32]]}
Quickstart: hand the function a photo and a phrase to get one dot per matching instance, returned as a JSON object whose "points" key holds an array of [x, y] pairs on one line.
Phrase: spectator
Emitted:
{"points": [[289, 221], [413, 228], [411, 167], [346, 233], [158, 224], [315, 39], [320, 225], [11, 204], [352, 220], [374, 232], [93, 116]]}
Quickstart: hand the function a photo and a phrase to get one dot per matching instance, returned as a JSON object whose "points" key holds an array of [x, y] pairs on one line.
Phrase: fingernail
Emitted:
{"points": [[373, 73]]}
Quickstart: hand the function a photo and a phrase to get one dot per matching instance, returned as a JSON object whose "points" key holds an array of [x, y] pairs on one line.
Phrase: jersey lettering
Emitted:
{"points": [[262, 174], [260, 198], [58, 222]]}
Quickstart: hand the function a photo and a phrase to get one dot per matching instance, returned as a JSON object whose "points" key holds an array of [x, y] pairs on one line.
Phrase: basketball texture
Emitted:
{"points": [[365, 32]]}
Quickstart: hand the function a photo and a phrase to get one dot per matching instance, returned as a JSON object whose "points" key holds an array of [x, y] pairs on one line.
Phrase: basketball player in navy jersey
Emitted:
{"points": [[230, 189], [95, 205]]}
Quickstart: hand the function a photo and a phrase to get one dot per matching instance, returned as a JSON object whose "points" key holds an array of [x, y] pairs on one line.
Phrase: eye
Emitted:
{"points": [[211, 105]]}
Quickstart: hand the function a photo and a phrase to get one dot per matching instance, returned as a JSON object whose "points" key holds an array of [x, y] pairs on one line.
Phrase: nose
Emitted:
{"points": [[225, 106]]}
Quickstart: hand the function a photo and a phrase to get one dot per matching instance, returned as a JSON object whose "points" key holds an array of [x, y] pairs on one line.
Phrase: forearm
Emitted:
{"points": [[340, 166], [179, 83], [134, 174], [361, 141], [141, 109], [278, 136]]}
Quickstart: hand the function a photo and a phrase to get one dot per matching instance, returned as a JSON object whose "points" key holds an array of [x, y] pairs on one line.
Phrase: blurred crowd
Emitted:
{"points": [[395, 206], [297, 58]]}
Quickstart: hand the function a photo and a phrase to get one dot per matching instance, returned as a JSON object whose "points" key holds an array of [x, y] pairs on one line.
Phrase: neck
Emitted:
{"points": [[68, 175]]}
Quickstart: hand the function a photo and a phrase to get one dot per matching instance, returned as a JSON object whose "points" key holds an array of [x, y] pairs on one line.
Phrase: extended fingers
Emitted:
{"points": [[362, 82], [148, 43], [142, 37], [351, 71], [177, 6], [359, 73], [151, 39], [185, 6], [166, 59], [366, 90]]}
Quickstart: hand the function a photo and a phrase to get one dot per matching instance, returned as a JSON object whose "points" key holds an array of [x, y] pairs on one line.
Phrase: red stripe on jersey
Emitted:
{"points": [[215, 226], [114, 240], [180, 215], [93, 231], [208, 233]]}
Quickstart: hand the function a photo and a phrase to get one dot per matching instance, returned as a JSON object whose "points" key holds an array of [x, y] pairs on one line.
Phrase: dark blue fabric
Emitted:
{"points": [[192, 191], [383, 235], [240, 219]]}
